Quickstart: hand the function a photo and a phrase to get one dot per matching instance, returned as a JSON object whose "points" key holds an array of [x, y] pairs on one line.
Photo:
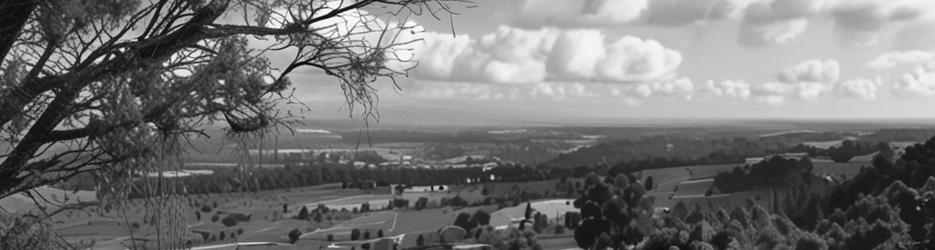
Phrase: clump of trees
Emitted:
{"points": [[770, 172], [469, 222]]}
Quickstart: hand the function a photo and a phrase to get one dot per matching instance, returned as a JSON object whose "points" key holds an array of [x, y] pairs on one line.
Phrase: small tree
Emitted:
{"points": [[420, 241], [303, 214], [355, 234], [294, 235], [464, 221], [367, 235], [481, 217]]}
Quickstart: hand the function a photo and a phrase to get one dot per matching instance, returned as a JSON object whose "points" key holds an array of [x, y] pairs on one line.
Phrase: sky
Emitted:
{"points": [[556, 61]]}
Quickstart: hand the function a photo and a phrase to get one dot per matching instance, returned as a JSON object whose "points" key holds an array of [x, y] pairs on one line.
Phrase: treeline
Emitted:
{"points": [[675, 148], [847, 150], [770, 172], [256, 179]]}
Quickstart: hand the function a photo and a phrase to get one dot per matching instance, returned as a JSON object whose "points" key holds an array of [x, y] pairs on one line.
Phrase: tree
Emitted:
{"points": [[303, 213], [481, 217], [649, 183], [294, 235], [112, 85], [464, 221], [355, 234]]}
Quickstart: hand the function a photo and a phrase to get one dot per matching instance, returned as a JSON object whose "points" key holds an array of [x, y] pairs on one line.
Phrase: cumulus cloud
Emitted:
{"points": [[727, 89], [763, 22], [898, 58], [859, 87], [919, 83], [680, 88], [579, 13], [811, 71], [807, 80], [512, 55]]}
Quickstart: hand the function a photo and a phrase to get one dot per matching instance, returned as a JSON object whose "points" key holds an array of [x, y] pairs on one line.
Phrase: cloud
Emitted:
{"points": [[859, 87], [685, 12], [918, 83], [776, 22], [682, 89], [861, 21], [803, 81], [898, 58], [678, 88], [578, 13], [727, 89], [811, 71], [512, 55]]}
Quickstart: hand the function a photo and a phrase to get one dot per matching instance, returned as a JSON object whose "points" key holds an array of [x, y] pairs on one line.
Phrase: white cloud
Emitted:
{"points": [[578, 13], [897, 58], [512, 55], [727, 89], [859, 87], [919, 83], [633, 59], [811, 71], [684, 12], [678, 88], [774, 32]]}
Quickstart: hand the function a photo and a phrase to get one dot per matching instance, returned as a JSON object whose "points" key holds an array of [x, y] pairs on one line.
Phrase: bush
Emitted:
{"points": [[481, 217], [355, 234], [205, 208], [215, 218], [229, 221], [294, 235]]}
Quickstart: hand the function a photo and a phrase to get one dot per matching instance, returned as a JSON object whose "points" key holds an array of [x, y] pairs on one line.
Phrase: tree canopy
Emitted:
{"points": [[108, 86]]}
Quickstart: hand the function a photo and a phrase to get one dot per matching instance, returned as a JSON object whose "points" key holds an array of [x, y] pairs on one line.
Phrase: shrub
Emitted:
{"points": [[215, 218], [355, 234], [207, 209], [229, 221], [294, 235]]}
